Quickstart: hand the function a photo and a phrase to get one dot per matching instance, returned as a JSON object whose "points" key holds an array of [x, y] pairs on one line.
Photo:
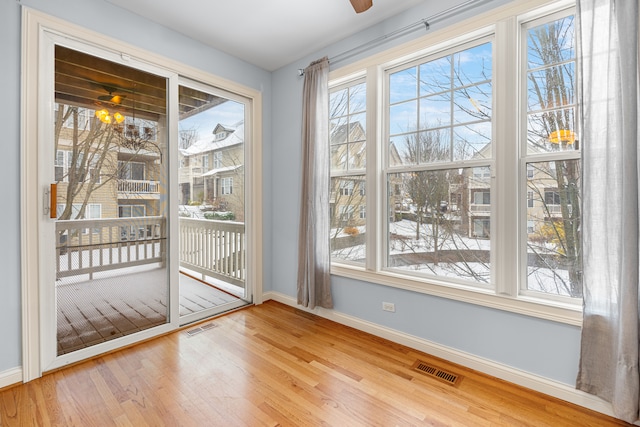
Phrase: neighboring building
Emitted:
{"points": [[212, 171], [111, 171]]}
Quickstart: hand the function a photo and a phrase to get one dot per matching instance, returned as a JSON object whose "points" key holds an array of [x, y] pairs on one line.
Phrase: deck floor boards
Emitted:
{"points": [[108, 307]]}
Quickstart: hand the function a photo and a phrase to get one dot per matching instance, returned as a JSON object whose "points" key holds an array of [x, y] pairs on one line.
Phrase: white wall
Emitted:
{"points": [[528, 344], [105, 18]]}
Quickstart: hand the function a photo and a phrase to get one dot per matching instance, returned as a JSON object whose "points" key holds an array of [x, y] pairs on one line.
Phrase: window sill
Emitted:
{"points": [[528, 306]]}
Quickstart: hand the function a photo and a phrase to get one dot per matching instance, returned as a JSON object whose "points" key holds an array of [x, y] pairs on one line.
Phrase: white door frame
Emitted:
{"points": [[40, 33]]}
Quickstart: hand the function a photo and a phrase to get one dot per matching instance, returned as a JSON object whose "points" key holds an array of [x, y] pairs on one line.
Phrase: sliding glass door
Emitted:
{"points": [[211, 197]]}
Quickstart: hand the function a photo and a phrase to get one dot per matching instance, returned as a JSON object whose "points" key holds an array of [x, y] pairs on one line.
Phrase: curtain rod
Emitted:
{"points": [[404, 30]]}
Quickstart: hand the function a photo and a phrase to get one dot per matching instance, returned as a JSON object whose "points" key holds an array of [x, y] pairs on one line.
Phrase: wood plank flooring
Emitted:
{"points": [[273, 365], [91, 312]]}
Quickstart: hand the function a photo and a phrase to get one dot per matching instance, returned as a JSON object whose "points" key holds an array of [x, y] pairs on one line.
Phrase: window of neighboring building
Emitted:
{"points": [[447, 142], [64, 170], [205, 162], [217, 159], [91, 211], [130, 211], [226, 186], [133, 171]]}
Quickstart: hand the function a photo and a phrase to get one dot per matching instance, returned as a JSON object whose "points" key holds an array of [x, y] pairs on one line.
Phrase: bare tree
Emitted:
{"points": [[91, 149], [552, 88]]}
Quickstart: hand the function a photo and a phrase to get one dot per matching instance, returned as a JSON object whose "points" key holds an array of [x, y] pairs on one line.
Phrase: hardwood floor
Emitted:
{"points": [[273, 365]]}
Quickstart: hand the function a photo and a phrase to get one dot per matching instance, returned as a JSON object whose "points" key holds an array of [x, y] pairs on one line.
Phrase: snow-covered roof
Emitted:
{"points": [[208, 144], [220, 170]]}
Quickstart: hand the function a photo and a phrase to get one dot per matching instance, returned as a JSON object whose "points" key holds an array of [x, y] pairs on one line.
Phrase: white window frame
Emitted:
{"points": [[226, 186], [504, 25], [217, 159]]}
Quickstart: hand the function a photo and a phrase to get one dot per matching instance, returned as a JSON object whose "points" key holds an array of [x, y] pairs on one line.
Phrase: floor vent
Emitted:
{"points": [[194, 331], [437, 373]]}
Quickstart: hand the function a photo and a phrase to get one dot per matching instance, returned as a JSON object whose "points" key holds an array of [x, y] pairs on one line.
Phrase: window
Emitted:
{"points": [[217, 160], [348, 144], [439, 115], [553, 155], [91, 211], [133, 232], [130, 211], [226, 185], [443, 143], [65, 170], [133, 171], [346, 188], [205, 162]]}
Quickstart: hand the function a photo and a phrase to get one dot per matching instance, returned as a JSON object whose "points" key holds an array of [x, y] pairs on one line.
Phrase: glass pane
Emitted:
{"points": [[358, 127], [348, 218], [472, 141], [439, 223], [339, 156], [435, 76], [403, 117], [551, 43], [435, 111], [551, 87], [338, 103], [472, 103], [472, 65], [403, 85], [552, 131], [110, 149], [553, 228], [212, 194], [357, 98], [401, 152]]}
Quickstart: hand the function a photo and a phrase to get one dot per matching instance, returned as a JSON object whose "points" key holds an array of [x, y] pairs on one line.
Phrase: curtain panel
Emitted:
{"points": [[608, 33], [314, 255]]}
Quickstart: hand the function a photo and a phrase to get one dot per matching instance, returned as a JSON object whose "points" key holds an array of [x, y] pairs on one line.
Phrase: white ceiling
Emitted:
{"points": [[267, 33]]}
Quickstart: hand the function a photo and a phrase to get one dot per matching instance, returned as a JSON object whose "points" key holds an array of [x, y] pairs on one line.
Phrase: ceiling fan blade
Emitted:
{"points": [[361, 5]]}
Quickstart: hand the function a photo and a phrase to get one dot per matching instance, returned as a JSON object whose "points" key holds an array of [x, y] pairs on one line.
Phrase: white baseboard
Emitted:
{"points": [[504, 372], [10, 377]]}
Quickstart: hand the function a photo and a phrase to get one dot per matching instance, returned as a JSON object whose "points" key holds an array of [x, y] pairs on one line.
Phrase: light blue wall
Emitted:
{"points": [[10, 309], [533, 345], [105, 18]]}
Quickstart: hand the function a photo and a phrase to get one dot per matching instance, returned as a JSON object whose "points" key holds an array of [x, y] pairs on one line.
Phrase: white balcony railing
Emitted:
{"points": [[138, 187], [91, 245], [212, 248]]}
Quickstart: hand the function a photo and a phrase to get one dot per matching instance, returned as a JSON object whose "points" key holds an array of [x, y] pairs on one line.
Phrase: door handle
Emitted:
{"points": [[50, 201]]}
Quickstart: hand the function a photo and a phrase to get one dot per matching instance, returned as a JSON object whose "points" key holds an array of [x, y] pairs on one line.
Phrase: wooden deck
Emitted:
{"points": [[114, 305]]}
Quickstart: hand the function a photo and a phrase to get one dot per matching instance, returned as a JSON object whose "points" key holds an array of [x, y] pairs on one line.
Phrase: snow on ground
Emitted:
{"points": [[404, 242]]}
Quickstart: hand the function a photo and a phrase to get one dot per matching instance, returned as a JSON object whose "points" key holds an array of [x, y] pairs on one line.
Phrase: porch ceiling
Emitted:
{"points": [[88, 81]]}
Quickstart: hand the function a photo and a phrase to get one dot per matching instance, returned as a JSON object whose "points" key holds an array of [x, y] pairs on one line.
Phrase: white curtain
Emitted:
{"points": [[314, 286], [608, 30]]}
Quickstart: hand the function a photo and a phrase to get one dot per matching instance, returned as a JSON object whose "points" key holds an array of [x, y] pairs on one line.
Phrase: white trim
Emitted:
{"points": [[11, 377], [525, 379]]}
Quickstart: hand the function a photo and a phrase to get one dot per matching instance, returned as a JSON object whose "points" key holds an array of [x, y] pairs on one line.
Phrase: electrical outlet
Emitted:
{"points": [[389, 306]]}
